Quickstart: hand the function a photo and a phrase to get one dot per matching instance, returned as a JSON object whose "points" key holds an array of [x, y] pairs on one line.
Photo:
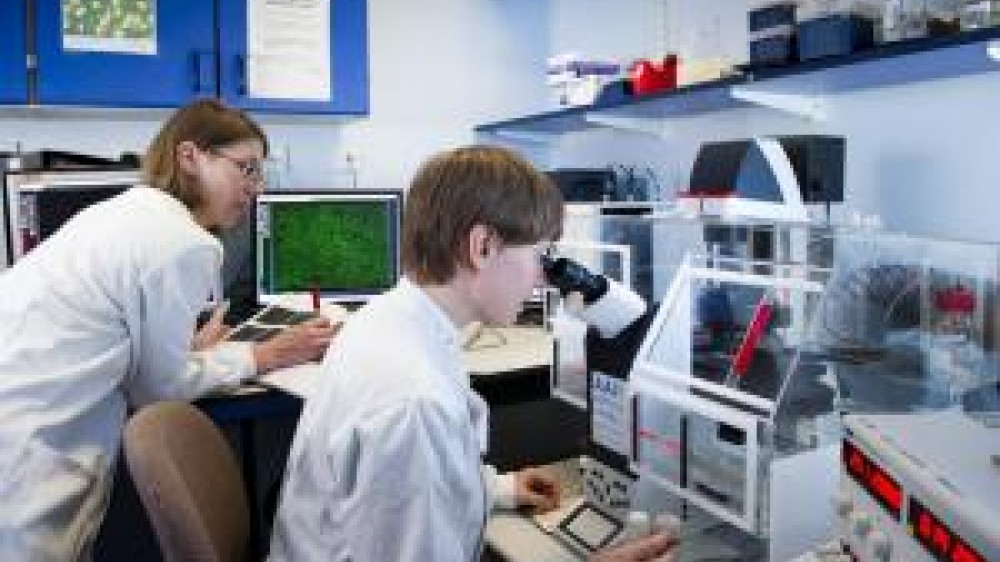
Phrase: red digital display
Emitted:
{"points": [[937, 538], [873, 478], [886, 489]]}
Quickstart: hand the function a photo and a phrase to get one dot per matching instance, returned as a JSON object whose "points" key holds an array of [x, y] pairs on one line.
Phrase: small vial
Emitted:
{"points": [[636, 525], [666, 522]]}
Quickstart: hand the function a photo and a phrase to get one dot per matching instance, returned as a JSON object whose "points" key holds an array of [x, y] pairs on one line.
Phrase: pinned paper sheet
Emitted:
{"points": [[288, 49]]}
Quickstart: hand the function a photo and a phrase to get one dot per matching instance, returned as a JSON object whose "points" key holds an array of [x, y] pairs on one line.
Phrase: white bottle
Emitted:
{"points": [[636, 526], [666, 522]]}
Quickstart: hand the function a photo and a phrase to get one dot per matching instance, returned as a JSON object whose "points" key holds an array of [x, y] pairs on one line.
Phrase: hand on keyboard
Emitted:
{"points": [[253, 333], [268, 323], [214, 330], [280, 316], [295, 345]]}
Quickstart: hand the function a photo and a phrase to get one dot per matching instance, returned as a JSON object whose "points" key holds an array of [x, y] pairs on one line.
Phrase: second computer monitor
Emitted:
{"points": [[343, 243]]}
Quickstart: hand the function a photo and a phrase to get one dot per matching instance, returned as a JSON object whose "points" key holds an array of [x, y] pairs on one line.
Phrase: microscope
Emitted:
{"points": [[617, 319]]}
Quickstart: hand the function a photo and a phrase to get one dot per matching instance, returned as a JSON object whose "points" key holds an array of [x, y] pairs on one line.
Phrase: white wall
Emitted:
{"points": [[622, 30], [438, 67]]}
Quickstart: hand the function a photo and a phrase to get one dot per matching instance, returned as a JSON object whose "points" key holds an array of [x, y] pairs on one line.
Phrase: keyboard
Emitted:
{"points": [[268, 323], [280, 316], [251, 333]]}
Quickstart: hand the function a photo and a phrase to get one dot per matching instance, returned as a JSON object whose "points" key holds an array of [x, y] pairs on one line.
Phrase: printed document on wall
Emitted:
{"points": [[109, 26], [288, 49]]}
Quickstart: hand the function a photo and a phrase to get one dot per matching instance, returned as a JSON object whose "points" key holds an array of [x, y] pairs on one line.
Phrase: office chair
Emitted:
{"points": [[189, 483]]}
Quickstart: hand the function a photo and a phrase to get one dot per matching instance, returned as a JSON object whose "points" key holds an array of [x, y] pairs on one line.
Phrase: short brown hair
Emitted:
{"points": [[207, 123], [458, 189]]}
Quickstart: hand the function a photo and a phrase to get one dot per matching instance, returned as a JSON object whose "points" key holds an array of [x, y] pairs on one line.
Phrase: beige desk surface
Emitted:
{"points": [[514, 537], [500, 350]]}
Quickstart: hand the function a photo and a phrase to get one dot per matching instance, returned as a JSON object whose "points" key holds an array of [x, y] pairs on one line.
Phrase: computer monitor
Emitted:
{"points": [[36, 204], [343, 243]]}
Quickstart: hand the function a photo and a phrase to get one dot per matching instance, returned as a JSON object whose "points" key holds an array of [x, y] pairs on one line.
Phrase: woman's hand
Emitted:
{"points": [[213, 331], [295, 345]]}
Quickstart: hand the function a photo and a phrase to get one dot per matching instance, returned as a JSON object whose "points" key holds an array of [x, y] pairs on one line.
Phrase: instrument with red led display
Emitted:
{"points": [[936, 537], [919, 488], [879, 484]]}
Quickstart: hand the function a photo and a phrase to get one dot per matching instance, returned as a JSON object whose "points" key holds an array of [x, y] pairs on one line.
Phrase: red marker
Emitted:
{"points": [[315, 298], [744, 354]]}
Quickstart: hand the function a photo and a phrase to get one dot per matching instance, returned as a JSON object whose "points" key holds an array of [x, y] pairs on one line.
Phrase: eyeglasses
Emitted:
{"points": [[251, 170]]}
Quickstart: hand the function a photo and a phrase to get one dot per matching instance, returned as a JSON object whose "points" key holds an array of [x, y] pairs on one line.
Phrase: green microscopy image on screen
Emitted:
{"points": [[333, 246]]}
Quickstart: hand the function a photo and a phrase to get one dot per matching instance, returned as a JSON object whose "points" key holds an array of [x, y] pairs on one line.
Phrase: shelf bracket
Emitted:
{"points": [[631, 124], [805, 106], [519, 136]]}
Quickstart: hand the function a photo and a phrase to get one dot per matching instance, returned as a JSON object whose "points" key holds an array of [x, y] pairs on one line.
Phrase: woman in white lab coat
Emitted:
{"points": [[386, 462], [101, 316]]}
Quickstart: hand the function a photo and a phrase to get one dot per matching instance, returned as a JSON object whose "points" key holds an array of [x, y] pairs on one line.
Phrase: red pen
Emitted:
{"points": [[315, 298]]}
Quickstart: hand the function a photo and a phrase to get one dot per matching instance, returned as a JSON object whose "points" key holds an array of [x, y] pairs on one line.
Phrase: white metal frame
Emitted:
{"points": [[748, 423], [643, 368]]}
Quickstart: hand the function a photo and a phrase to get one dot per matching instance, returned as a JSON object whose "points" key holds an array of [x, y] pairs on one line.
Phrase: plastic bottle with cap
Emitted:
{"points": [[636, 526], [667, 522]]}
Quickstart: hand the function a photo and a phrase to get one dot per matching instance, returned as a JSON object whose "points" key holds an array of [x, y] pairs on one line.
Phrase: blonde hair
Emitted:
{"points": [[458, 189], [207, 123]]}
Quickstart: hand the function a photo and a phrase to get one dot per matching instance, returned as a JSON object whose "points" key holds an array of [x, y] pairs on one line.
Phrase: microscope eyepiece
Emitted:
{"points": [[571, 277]]}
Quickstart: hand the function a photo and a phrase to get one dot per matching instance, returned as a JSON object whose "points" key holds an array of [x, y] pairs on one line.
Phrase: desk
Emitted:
{"points": [[521, 351], [515, 538]]}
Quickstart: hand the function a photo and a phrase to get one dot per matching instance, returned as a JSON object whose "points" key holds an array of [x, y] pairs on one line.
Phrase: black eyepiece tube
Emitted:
{"points": [[571, 277]]}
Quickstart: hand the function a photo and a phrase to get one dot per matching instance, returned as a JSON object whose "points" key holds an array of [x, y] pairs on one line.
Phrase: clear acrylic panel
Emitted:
{"points": [[909, 324]]}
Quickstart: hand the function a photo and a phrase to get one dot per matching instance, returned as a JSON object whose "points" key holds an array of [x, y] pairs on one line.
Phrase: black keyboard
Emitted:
{"points": [[280, 316], [252, 333], [268, 323]]}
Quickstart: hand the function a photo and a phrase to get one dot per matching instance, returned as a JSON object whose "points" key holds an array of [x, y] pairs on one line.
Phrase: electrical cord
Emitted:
{"points": [[478, 337]]}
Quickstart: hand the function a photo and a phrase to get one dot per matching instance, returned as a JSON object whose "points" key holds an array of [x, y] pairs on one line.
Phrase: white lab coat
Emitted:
{"points": [[99, 315], [386, 463]]}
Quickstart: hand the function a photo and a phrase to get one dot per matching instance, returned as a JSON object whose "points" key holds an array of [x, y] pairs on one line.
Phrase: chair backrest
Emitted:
{"points": [[189, 482]]}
